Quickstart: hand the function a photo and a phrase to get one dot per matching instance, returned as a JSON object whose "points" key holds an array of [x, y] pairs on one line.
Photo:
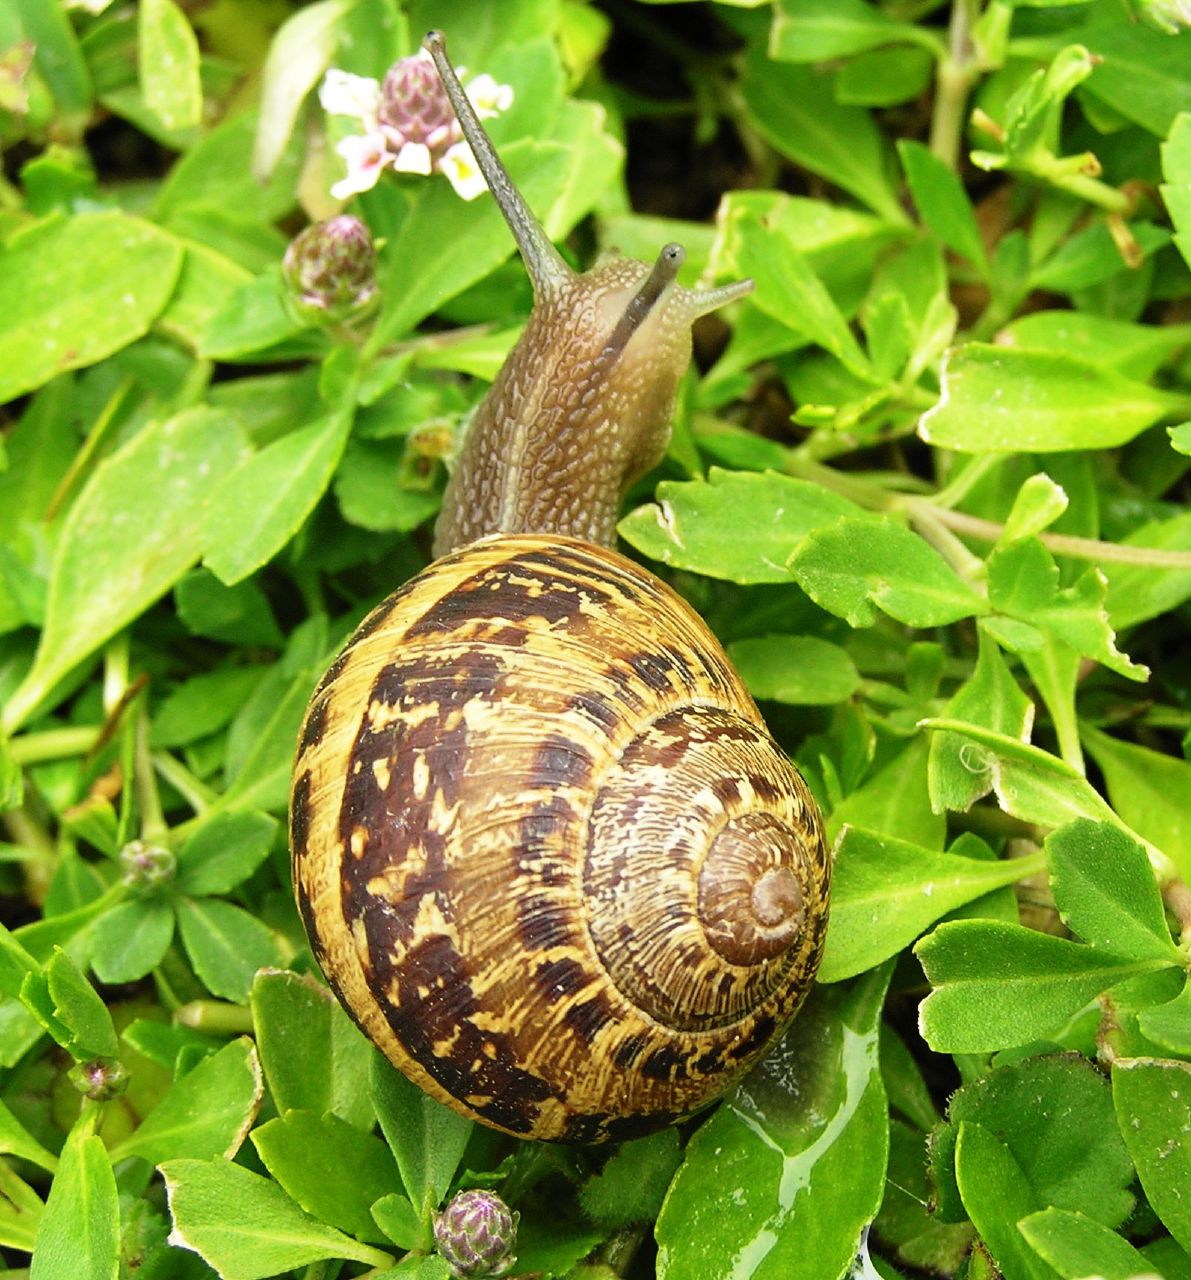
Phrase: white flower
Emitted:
{"points": [[366, 156], [461, 171], [343, 94], [408, 125], [488, 97], [414, 157]]}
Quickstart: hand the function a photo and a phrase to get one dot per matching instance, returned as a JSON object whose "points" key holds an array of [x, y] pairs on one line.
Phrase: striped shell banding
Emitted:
{"points": [[544, 849]]}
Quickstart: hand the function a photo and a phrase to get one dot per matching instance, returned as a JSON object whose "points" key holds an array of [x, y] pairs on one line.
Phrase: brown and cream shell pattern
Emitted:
{"points": [[544, 849]]}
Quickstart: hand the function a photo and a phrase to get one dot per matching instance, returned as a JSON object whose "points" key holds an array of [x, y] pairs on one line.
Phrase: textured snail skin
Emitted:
{"points": [[544, 850]]}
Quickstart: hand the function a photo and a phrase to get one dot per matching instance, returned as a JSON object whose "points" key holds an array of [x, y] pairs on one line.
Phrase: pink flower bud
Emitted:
{"points": [[330, 271], [475, 1233]]}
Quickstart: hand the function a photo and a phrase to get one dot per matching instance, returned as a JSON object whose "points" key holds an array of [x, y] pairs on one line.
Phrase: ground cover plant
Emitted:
{"points": [[929, 484]]}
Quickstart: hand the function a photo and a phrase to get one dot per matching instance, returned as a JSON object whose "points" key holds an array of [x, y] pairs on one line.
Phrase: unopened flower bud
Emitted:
{"points": [[146, 866], [475, 1233], [330, 272], [101, 1079]]}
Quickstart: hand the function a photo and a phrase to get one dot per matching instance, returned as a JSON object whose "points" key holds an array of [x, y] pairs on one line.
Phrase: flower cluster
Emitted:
{"points": [[408, 125]]}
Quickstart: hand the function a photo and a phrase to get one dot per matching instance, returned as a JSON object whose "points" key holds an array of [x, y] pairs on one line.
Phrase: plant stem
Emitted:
{"points": [[956, 75], [38, 869], [1065, 544], [924, 517], [196, 794], [935, 511], [54, 744], [619, 1251], [216, 1017]]}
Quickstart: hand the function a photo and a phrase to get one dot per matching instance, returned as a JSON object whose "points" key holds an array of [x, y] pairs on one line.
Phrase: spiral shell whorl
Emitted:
{"points": [[469, 880], [703, 809]]}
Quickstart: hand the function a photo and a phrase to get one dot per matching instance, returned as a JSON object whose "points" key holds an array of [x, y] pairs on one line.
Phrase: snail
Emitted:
{"points": [[544, 849]]}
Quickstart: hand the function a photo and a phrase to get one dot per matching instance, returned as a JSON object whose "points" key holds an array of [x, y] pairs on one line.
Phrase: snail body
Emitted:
{"points": [[544, 849]]}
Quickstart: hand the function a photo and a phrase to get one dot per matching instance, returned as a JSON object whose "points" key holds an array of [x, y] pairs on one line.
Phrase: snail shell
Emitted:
{"points": [[544, 849]]}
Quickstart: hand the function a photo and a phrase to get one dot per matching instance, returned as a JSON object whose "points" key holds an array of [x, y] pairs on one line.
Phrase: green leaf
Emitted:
{"points": [[202, 705], [802, 670], [314, 1057], [1169, 1024], [427, 1138], [632, 1185], [798, 1151], [1153, 1104], [260, 742], [206, 1113], [224, 851], [1076, 1246], [999, 985], [1148, 789], [1136, 350], [216, 173], [334, 1171], [996, 1196], [1140, 72], [696, 524], [61, 305], [942, 202], [1023, 583], [21, 1212], [254, 320], [135, 528], [1039, 503], [1055, 1116], [238, 615], [59, 57], [79, 1008], [401, 1222], [226, 945], [370, 490], [807, 31], [1012, 399], [1137, 592], [1176, 190], [267, 498], [78, 1238], [796, 112], [15, 1140], [1028, 782], [958, 773], [1092, 257], [168, 61], [245, 1226], [884, 77], [299, 54], [894, 801], [786, 286], [885, 892], [131, 940], [1106, 892], [855, 563], [16, 961]]}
